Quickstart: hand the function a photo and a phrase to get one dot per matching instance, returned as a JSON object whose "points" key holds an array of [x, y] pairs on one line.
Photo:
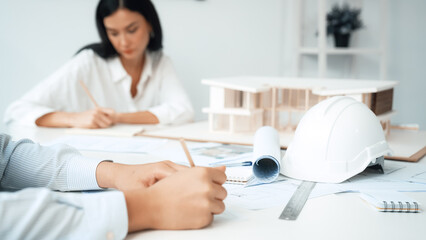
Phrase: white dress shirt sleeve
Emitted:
{"points": [[59, 92], [175, 106], [163, 94], [39, 213], [60, 167]]}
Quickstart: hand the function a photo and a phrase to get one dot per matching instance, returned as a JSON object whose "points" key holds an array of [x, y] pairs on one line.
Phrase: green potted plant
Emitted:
{"points": [[341, 22]]}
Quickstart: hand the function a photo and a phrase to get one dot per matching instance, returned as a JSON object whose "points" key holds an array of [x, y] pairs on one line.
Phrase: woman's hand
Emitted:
{"points": [[187, 199], [95, 118], [127, 177]]}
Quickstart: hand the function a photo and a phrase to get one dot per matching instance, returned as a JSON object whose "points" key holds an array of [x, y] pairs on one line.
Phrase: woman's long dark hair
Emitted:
{"points": [[107, 7]]}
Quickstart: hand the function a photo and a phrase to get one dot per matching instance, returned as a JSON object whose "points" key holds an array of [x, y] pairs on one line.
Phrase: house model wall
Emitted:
{"points": [[241, 104]]}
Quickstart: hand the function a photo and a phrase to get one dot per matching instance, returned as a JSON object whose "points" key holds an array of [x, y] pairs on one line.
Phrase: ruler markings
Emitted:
{"points": [[297, 201]]}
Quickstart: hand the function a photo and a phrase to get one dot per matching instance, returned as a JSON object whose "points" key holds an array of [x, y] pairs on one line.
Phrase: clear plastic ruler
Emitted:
{"points": [[297, 201]]}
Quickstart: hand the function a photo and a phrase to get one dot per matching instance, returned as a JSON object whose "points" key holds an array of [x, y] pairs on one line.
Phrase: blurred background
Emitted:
{"points": [[223, 38]]}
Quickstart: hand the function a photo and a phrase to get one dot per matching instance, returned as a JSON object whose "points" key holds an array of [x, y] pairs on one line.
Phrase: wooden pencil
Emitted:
{"points": [[88, 93], [188, 155]]}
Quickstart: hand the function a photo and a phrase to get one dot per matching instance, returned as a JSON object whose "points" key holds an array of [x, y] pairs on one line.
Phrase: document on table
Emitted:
{"points": [[217, 153], [258, 195], [213, 154], [207, 154], [118, 130], [110, 144], [398, 176]]}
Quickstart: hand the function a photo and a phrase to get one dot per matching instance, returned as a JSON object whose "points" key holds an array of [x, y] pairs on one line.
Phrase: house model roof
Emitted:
{"points": [[321, 87]]}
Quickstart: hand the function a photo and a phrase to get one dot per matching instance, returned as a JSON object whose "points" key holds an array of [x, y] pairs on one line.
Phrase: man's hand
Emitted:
{"points": [[187, 199], [126, 177]]}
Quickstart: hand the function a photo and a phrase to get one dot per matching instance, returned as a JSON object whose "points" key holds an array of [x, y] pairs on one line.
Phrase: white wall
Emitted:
{"points": [[212, 38], [36, 37], [407, 53], [217, 38]]}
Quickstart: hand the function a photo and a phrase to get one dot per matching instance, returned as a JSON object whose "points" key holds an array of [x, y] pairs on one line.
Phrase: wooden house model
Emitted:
{"points": [[241, 104]]}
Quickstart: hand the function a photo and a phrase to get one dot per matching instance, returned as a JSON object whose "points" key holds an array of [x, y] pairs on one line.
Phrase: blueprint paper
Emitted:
{"points": [[266, 154]]}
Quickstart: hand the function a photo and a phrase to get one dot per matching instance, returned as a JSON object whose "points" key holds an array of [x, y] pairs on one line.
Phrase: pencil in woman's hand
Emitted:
{"points": [[88, 93]]}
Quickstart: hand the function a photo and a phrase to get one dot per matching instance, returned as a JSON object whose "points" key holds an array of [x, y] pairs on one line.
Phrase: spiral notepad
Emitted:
{"points": [[238, 175], [391, 201]]}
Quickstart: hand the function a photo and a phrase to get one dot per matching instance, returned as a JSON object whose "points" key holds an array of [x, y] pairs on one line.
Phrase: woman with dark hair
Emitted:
{"points": [[130, 78]]}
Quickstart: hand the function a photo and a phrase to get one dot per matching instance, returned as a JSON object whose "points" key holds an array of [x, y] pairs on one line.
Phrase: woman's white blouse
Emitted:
{"points": [[159, 90]]}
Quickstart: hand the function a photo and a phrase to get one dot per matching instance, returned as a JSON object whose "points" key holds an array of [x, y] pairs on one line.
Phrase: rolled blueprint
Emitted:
{"points": [[266, 154]]}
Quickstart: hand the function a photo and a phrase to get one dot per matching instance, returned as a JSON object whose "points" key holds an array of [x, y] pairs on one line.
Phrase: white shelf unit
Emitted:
{"points": [[323, 51]]}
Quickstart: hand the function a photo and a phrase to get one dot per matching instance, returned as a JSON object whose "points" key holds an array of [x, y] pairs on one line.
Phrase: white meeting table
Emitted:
{"points": [[335, 216]]}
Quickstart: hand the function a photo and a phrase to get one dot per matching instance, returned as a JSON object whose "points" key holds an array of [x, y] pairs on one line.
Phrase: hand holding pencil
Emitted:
{"points": [[98, 117], [94, 118], [187, 199], [188, 155]]}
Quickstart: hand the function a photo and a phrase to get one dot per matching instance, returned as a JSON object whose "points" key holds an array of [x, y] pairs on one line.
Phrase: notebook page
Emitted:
{"points": [[238, 174], [390, 201]]}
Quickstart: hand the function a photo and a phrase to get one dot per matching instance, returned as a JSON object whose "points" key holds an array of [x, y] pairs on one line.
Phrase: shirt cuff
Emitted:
{"points": [[172, 114], [161, 113], [107, 213], [81, 173], [44, 214], [30, 117]]}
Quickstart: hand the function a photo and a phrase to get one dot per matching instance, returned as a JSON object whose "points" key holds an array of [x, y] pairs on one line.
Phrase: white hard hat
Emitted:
{"points": [[335, 140]]}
